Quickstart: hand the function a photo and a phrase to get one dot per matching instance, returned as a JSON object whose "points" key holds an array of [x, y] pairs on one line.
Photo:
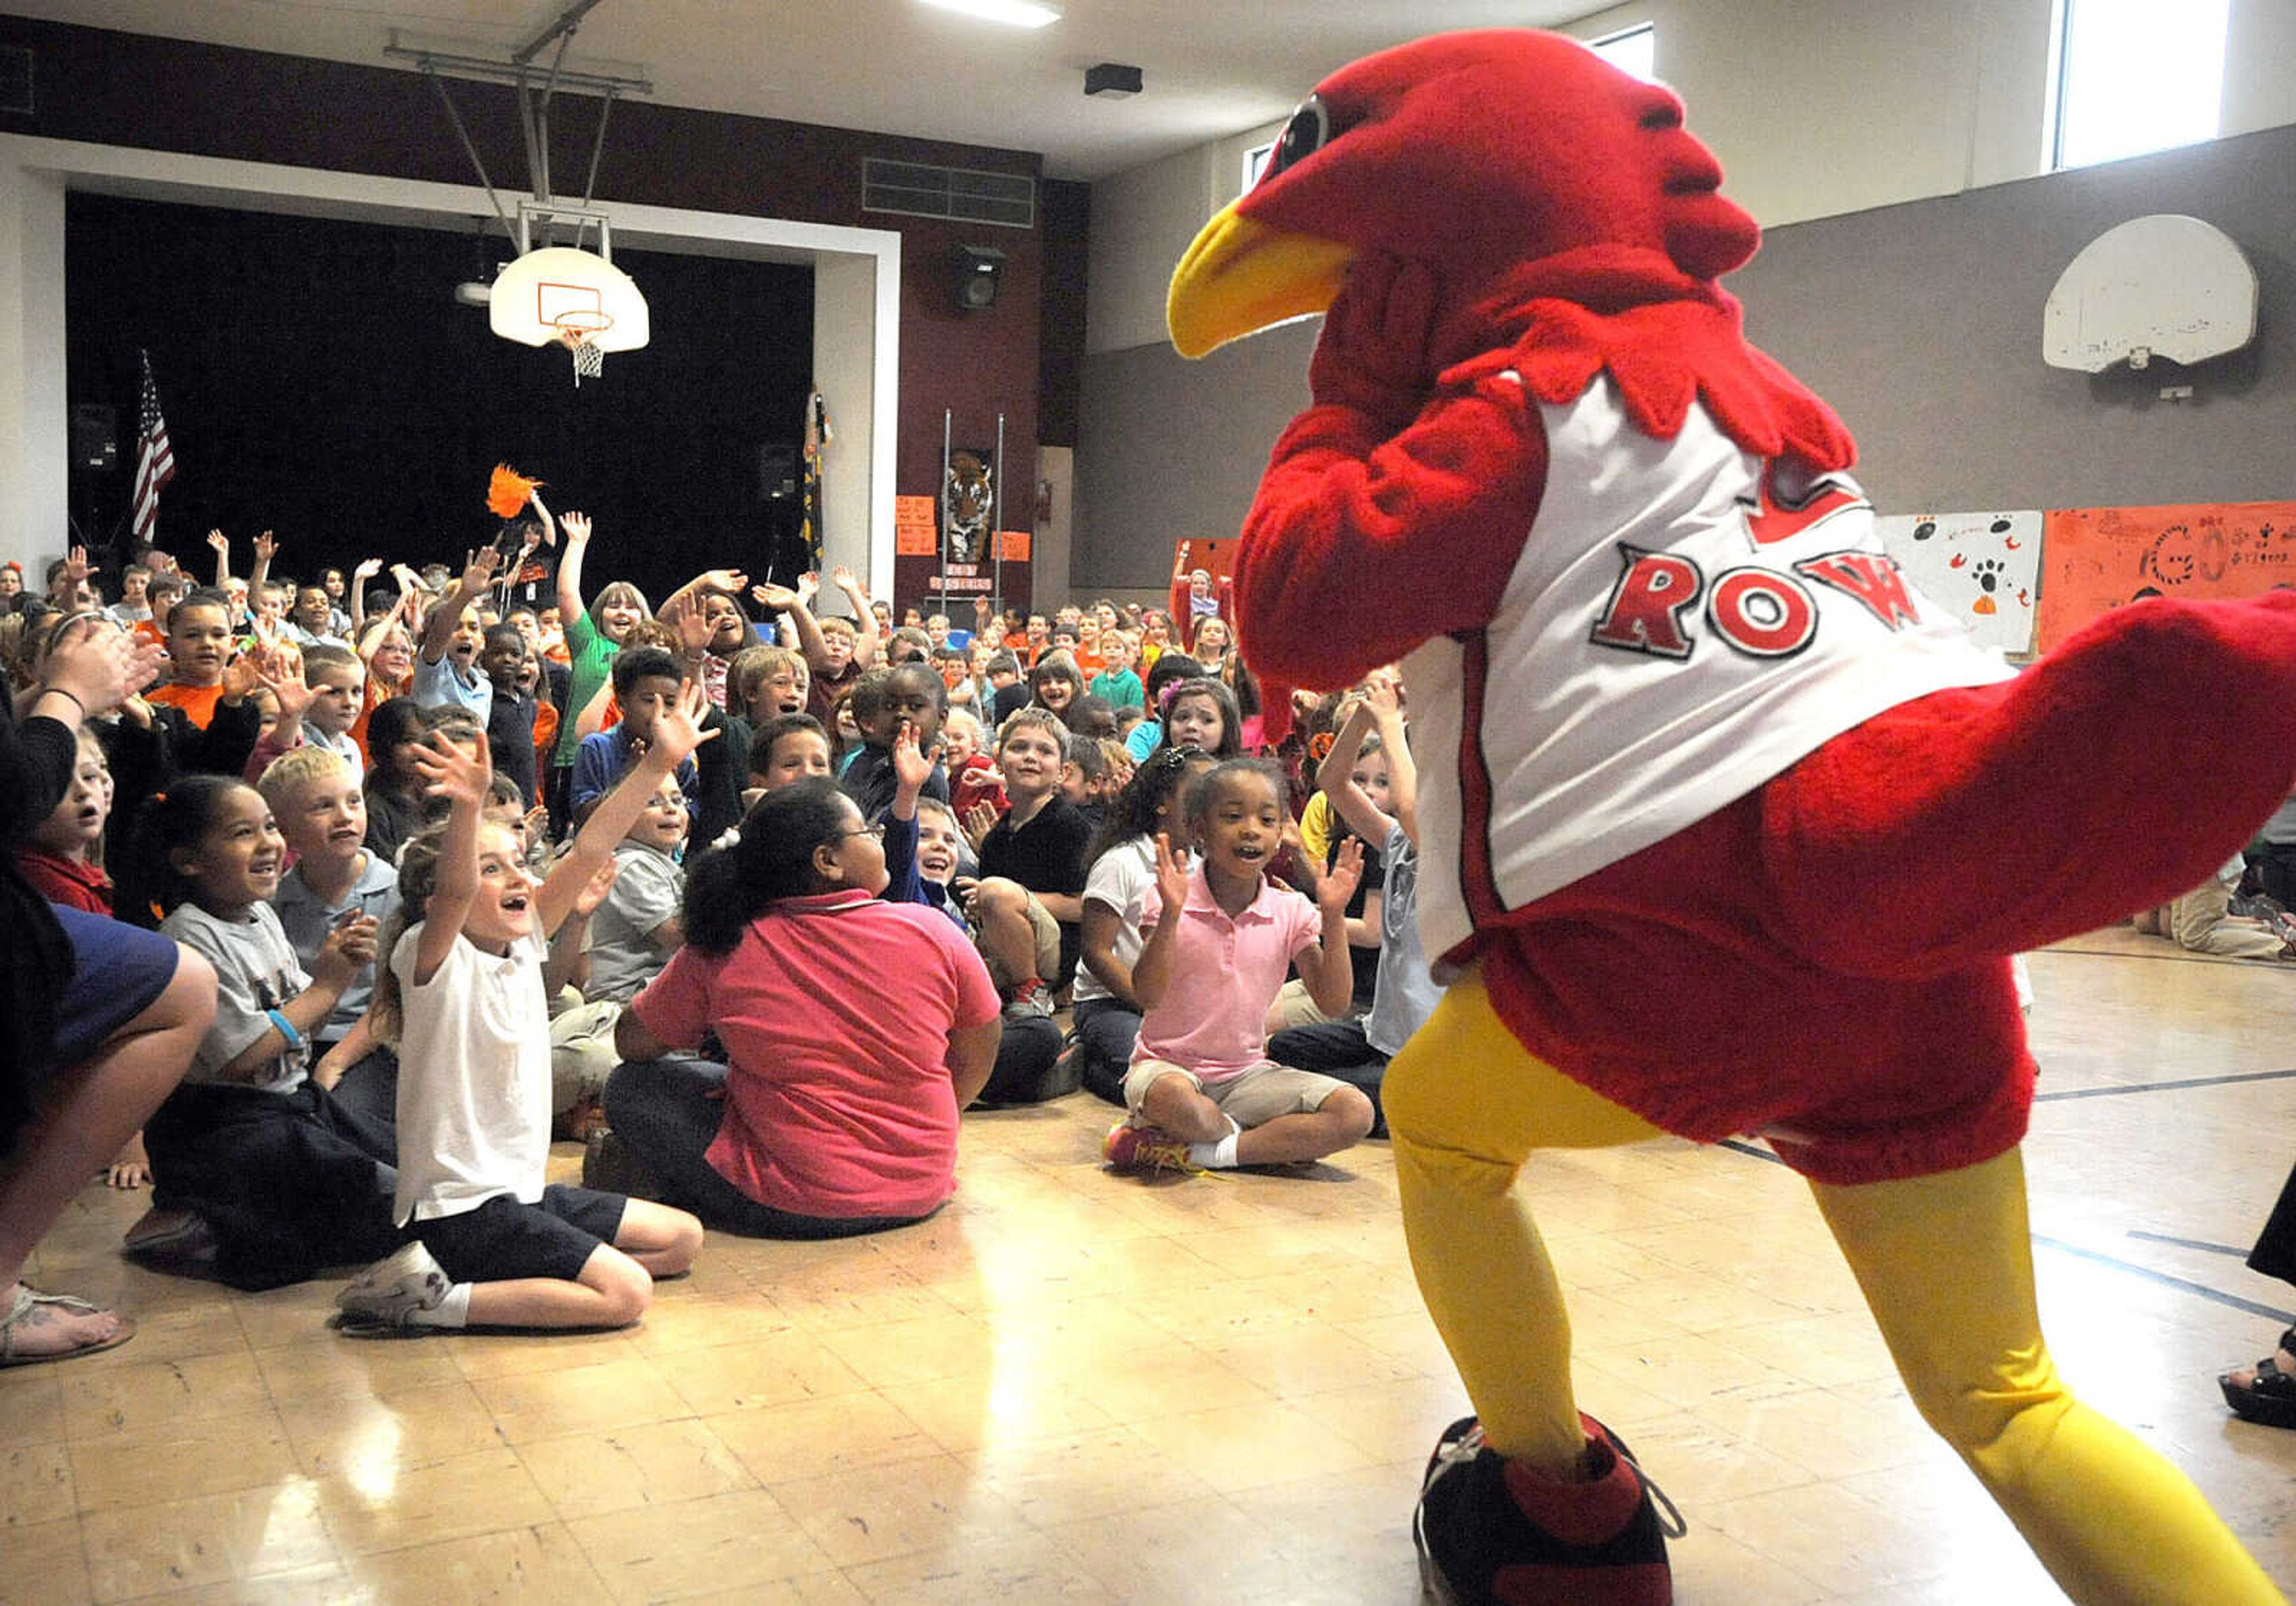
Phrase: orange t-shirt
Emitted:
{"points": [[197, 702], [546, 730]]}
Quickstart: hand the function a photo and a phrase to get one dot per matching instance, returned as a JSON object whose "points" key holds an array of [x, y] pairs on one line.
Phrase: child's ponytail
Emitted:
{"points": [[418, 879], [149, 884], [728, 888]]}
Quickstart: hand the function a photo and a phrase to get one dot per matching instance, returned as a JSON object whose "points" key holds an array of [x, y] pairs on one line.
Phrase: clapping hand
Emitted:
{"points": [[1171, 874], [1345, 876], [979, 820], [350, 947]]}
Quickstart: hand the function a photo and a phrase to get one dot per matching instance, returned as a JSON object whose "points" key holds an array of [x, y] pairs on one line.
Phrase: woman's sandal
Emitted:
{"points": [[28, 1300], [2270, 1399]]}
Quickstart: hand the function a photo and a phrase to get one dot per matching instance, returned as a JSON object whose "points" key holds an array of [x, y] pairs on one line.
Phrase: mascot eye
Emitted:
{"points": [[1305, 134]]}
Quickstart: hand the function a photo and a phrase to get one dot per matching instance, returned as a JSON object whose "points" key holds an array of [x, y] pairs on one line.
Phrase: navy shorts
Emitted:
{"points": [[118, 971], [504, 1239]]}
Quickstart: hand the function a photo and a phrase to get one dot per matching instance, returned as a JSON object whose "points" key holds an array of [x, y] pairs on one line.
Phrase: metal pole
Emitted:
{"points": [[997, 515], [948, 513]]}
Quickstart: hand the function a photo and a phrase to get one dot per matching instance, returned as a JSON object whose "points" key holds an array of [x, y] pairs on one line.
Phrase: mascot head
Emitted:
{"points": [[1470, 153]]}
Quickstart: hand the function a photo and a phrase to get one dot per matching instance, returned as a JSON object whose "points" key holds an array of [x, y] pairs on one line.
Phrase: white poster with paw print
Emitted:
{"points": [[1983, 568]]}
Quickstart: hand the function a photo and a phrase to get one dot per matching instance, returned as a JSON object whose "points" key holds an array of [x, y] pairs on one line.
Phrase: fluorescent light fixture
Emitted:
{"points": [[1013, 13]]}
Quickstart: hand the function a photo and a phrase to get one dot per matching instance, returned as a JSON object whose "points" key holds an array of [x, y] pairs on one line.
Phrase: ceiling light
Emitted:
{"points": [[1111, 80], [1015, 13]]}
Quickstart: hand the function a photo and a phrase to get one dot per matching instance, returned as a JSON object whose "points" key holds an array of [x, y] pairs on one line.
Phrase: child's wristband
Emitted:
{"points": [[286, 1029]]}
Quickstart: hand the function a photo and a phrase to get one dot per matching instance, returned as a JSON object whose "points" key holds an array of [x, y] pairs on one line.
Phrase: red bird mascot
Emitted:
{"points": [[1727, 828]]}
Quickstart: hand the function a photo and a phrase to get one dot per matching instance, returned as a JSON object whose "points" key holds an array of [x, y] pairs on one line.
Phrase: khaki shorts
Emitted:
{"points": [[1295, 1005], [1047, 931], [1251, 1099]]}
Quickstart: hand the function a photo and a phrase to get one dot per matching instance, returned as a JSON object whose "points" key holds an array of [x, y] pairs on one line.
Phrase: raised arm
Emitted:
{"points": [[371, 637], [221, 543], [677, 734], [1385, 696], [1385, 480], [1151, 972], [569, 570], [728, 580], [791, 606], [267, 547], [1326, 968], [439, 629], [367, 569], [865, 616], [1336, 775], [463, 780]]}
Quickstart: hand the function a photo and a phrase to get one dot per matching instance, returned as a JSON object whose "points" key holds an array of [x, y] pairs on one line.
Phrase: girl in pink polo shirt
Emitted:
{"points": [[853, 1031], [1201, 1091]]}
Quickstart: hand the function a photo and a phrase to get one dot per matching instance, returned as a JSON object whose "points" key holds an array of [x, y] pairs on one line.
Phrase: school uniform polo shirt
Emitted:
{"points": [[1213, 1016]]}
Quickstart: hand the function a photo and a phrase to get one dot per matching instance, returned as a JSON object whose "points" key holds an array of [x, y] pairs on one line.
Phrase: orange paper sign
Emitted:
{"points": [[1013, 546], [2097, 559]]}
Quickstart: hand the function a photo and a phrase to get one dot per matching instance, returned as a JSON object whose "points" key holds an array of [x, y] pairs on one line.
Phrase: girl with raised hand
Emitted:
{"points": [[489, 1240], [593, 637]]}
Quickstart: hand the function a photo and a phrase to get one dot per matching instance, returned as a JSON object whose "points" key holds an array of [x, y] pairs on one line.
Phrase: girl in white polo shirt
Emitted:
{"points": [[488, 1241]]}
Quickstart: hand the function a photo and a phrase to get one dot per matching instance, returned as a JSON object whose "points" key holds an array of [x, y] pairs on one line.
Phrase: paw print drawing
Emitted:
{"points": [[1987, 575]]}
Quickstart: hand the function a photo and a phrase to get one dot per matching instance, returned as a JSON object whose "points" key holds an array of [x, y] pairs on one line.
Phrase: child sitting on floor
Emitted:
{"points": [[321, 813], [489, 1241], [259, 1173], [1123, 867], [1201, 1091]]}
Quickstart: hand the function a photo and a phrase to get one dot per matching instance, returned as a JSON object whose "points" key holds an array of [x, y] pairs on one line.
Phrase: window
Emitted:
{"points": [[1255, 162], [1633, 50], [2134, 76]]}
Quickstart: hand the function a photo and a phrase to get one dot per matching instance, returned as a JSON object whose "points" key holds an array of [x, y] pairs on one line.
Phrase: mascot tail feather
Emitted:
{"points": [[2120, 772]]}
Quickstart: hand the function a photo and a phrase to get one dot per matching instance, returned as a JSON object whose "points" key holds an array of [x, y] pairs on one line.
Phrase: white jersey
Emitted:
{"points": [[1679, 628]]}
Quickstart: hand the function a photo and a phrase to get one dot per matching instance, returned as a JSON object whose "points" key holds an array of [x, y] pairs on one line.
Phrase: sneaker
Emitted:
{"points": [[1029, 1000], [383, 1297], [1491, 1531], [1130, 1148]]}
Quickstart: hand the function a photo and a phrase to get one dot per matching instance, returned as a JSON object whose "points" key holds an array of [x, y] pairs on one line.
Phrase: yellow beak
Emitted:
{"points": [[1240, 276]]}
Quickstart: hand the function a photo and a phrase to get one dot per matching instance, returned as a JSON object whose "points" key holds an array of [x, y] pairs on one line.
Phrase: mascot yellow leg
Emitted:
{"points": [[1946, 1265], [1466, 1106]]}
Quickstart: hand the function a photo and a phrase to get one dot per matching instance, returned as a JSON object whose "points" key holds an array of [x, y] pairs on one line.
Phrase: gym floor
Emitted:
{"points": [[1077, 1386]]}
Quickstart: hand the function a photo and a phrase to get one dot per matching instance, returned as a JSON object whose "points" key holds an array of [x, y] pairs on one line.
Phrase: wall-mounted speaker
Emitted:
{"points": [[978, 268]]}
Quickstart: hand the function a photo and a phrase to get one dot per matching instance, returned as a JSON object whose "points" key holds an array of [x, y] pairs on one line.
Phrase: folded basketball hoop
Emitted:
{"points": [[577, 298]]}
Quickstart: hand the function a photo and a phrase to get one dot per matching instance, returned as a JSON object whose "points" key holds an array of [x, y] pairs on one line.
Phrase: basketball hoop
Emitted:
{"points": [[578, 328]]}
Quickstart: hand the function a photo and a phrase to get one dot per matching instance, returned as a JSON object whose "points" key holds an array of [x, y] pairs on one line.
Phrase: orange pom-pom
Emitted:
{"points": [[508, 490]]}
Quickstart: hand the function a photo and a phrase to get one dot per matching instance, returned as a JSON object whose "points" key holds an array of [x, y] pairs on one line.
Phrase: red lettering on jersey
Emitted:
{"points": [[1872, 577], [1762, 613], [1645, 610], [1788, 508]]}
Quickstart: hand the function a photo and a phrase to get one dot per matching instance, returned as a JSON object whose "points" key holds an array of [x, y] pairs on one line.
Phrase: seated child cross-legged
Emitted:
{"points": [[488, 1243], [1201, 1091]]}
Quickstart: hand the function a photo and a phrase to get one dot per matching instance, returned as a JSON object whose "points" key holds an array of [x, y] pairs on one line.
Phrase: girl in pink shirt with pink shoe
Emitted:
{"points": [[1201, 1091]]}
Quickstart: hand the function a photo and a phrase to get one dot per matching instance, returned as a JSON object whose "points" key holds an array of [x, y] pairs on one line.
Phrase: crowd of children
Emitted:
{"points": [[751, 900]]}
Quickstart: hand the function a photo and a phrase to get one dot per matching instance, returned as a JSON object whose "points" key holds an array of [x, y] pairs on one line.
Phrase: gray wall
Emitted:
{"points": [[1920, 323]]}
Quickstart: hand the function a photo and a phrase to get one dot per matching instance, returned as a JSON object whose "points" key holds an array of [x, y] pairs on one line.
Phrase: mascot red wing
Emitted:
{"points": [[1728, 829]]}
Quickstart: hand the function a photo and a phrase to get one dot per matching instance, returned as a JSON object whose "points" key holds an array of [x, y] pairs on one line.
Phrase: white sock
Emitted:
{"points": [[453, 1311], [1216, 1157]]}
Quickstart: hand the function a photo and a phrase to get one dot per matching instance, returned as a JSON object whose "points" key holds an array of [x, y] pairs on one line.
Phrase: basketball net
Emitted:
{"points": [[578, 329]]}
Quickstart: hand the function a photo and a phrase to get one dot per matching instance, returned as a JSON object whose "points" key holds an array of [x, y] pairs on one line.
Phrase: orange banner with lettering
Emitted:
{"points": [[2097, 558]]}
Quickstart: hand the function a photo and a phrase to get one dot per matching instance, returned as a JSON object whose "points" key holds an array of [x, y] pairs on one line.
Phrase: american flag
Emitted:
{"points": [[155, 459]]}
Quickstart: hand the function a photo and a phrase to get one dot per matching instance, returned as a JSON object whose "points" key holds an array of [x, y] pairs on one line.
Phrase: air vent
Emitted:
{"points": [[15, 79], [1007, 200]]}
